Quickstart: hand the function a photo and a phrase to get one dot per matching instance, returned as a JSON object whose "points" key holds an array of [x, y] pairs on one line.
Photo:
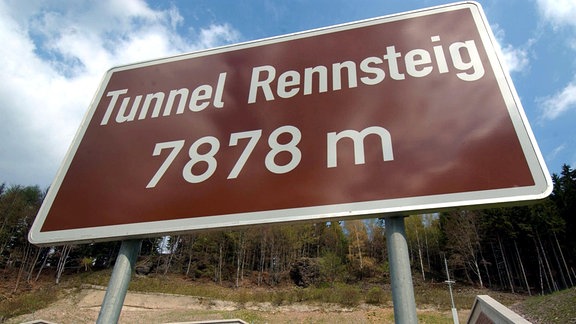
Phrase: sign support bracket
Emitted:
{"points": [[400, 272], [119, 281]]}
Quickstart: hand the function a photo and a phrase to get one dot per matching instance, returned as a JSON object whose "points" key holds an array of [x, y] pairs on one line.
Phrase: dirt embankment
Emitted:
{"points": [[83, 306]]}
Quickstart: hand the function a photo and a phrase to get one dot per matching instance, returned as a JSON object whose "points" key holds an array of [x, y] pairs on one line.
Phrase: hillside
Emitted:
{"points": [[173, 298], [559, 307]]}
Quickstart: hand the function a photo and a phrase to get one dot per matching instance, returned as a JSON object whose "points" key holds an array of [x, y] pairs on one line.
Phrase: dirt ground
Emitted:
{"points": [[82, 306]]}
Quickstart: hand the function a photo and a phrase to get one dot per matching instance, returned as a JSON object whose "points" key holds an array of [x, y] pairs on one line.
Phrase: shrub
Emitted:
{"points": [[305, 272], [375, 296], [27, 302], [332, 269], [345, 295]]}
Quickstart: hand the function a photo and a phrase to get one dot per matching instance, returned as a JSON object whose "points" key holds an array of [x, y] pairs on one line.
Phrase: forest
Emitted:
{"points": [[528, 249]]}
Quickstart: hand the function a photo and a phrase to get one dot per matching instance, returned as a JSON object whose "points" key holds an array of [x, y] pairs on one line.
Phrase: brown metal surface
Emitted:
{"points": [[448, 135]]}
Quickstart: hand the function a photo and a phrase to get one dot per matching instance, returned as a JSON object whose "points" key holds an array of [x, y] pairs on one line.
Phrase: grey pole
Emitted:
{"points": [[400, 272], [450, 282], [118, 284]]}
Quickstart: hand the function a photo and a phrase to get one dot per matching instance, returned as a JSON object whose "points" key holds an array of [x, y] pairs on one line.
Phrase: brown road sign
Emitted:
{"points": [[404, 113]]}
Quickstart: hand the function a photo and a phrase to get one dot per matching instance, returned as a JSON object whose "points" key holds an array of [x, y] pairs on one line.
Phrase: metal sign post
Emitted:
{"points": [[450, 283], [119, 281], [400, 272]]}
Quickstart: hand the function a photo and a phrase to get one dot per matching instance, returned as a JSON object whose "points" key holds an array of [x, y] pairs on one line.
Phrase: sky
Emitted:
{"points": [[54, 55]]}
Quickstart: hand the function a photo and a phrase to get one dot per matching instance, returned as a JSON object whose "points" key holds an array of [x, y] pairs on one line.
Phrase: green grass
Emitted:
{"points": [[28, 299], [27, 302], [559, 307], [345, 295], [433, 319], [438, 296]]}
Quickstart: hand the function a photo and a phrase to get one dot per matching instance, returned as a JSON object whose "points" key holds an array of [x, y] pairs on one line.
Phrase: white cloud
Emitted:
{"points": [[560, 102], [515, 58], [556, 151], [217, 35], [53, 58], [558, 12]]}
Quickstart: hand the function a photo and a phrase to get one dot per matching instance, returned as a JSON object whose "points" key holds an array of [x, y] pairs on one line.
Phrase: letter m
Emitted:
{"points": [[358, 140]]}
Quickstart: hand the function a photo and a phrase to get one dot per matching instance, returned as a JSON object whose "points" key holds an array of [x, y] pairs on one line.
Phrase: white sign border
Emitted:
{"points": [[421, 204]]}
